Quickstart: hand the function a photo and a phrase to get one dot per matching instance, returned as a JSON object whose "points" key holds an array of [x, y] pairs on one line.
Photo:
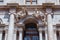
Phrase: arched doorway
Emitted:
{"points": [[31, 32]]}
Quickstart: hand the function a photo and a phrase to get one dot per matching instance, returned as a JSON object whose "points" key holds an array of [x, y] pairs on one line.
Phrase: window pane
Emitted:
{"points": [[35, 38], [27, 38]]}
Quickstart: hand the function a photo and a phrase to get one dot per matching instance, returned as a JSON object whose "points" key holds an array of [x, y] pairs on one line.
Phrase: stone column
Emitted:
{"points": [[55, 35], [11, 27], [59, 35], [1, 33], [20, 34], [40, 34], [15, 34], [50, 23], [6, 34], [50, 27], [46, 37], [24, 2]]}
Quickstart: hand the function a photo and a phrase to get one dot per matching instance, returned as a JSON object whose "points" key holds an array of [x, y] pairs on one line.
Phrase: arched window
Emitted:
{"points": [[31, 32]]}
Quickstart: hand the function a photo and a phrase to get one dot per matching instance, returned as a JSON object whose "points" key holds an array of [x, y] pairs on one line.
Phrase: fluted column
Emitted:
{"points": [[11, 27], [20, 34], [1, 34], [50, 27]]}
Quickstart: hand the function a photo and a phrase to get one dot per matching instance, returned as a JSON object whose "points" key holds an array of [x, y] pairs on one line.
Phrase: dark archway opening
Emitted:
{"points": [[31, 32]]}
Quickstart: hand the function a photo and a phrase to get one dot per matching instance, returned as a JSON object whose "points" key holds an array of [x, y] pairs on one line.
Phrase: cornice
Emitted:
{"points": [[43, 6]]}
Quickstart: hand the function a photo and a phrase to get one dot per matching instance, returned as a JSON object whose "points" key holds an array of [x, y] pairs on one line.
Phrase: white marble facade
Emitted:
{"points": [[15, 14]]}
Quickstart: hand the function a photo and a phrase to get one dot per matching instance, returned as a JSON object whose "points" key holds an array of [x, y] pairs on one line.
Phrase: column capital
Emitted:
{"points": [[49, 10], [20, 29], [15, 30], [48, 13], [12, 10], [12, 13], [39, 29]]}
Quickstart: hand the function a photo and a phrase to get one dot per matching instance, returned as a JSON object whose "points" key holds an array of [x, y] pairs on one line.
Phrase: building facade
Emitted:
{"points": [[29, 19]]}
